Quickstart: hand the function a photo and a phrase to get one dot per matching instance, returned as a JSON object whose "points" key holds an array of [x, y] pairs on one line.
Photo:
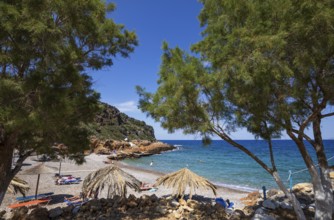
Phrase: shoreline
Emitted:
{"points": [[232, 188], [94, 162]]}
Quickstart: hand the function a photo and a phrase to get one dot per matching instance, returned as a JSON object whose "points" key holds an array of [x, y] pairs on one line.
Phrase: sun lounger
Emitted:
{"points": [[39, 196], [68, 180], [71, 181], [29, 203], [153, 189], [146, 187], [75, 200]]}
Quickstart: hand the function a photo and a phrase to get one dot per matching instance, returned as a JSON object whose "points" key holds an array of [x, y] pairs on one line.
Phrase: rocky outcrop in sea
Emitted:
{"points": [[118, 150]]}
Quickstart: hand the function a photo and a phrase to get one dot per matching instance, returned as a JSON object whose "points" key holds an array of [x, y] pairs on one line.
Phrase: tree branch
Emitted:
{"points": [[225, 137], [327, 115], [305, 136], [310, 118], [20, 161]]}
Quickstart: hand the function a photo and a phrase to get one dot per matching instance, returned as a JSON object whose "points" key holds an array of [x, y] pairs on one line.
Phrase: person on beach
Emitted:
{"points": [[228, 202]]}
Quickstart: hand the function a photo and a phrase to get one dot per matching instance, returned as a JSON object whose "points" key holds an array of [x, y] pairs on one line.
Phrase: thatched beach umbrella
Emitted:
{"points": [[182, 179], [38, 170], [18, 185], [111, 177]]}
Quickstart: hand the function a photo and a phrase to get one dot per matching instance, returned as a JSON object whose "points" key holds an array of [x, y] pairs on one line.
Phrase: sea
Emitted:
{"points": [[227, 166]]}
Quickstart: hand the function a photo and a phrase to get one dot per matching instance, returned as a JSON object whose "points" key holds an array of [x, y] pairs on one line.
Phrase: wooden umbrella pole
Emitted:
{"points": [[37, 186], [59, 167]]}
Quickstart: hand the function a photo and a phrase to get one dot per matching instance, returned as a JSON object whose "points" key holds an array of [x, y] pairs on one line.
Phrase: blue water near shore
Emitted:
{"points": [[226, 166]]}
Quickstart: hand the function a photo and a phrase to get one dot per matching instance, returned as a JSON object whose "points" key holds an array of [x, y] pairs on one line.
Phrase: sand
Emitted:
{"points": [[94, 162]]}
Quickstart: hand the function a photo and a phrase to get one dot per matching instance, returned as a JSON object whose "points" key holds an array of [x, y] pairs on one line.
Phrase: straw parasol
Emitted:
{"points": [[18, 185], [38, 170], [182, 179], [111, 177]]}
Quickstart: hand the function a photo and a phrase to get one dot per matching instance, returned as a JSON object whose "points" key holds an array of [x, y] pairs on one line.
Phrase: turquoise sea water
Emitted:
{"points": [[224, 165]]}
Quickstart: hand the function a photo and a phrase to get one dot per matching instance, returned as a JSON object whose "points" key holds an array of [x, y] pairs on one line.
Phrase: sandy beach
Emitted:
{"points": [[94, 162]]}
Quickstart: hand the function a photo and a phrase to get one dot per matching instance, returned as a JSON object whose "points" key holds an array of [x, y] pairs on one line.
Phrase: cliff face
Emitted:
{"points": [[110, 123]]}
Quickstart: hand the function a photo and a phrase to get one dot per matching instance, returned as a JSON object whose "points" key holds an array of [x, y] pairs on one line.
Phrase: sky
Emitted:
{"points": [[173, 21]]}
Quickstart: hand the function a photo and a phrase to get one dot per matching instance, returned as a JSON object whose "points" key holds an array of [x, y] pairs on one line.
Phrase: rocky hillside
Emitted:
{"points": [[110, 123]]}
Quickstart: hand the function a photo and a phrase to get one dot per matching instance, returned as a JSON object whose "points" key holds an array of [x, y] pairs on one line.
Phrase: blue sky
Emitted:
{"points": [[174, 21]]}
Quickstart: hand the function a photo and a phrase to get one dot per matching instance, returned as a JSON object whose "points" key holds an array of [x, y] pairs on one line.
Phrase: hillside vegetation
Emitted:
{"points": [[110, 123]]}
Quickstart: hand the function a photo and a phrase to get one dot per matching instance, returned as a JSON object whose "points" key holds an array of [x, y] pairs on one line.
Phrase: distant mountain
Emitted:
{"points": [[110, 123]]}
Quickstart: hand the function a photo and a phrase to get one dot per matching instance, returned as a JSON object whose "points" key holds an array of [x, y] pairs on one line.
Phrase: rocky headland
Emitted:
{"points": [[110, 123], [121, 136]]}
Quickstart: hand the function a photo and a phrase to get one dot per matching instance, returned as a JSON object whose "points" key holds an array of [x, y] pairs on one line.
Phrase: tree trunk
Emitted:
{"points": [[322, 186], [295, 203], [6, 155], [323, 195]]}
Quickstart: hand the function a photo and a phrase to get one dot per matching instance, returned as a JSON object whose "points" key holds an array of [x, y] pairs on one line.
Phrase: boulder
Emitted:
{"points": [[331, 175], [263, 217], [132, 204], [311, 208], [262, 214], [270, 204], [19, 213], [238, 214], [161, 210], [177, 214], [286, 205], [75, 210], [2, 213], [154, 198], [273, 192], [38, 213], [251, 199], [193, 204], [249, 210], [182, 202], [55, 212], [174, 203], [304, 192]]}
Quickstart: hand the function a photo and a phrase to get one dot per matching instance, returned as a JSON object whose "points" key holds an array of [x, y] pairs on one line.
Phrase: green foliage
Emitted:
{"points": [[45, 47], [266, 66], [263, 65], [110, 123]]}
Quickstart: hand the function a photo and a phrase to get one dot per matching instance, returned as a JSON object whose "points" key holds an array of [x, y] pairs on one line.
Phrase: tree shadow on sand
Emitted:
{"points": [[58, 198]]}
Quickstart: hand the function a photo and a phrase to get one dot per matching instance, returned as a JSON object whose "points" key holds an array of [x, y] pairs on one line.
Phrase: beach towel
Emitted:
{"points": [[39, 196], [222, 202], [29, 203]]}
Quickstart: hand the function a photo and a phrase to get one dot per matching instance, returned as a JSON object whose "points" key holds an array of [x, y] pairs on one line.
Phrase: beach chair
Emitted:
{"points": [[71, 181], [146, 187], [30, 203], [74, 200], [68, 180]]}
